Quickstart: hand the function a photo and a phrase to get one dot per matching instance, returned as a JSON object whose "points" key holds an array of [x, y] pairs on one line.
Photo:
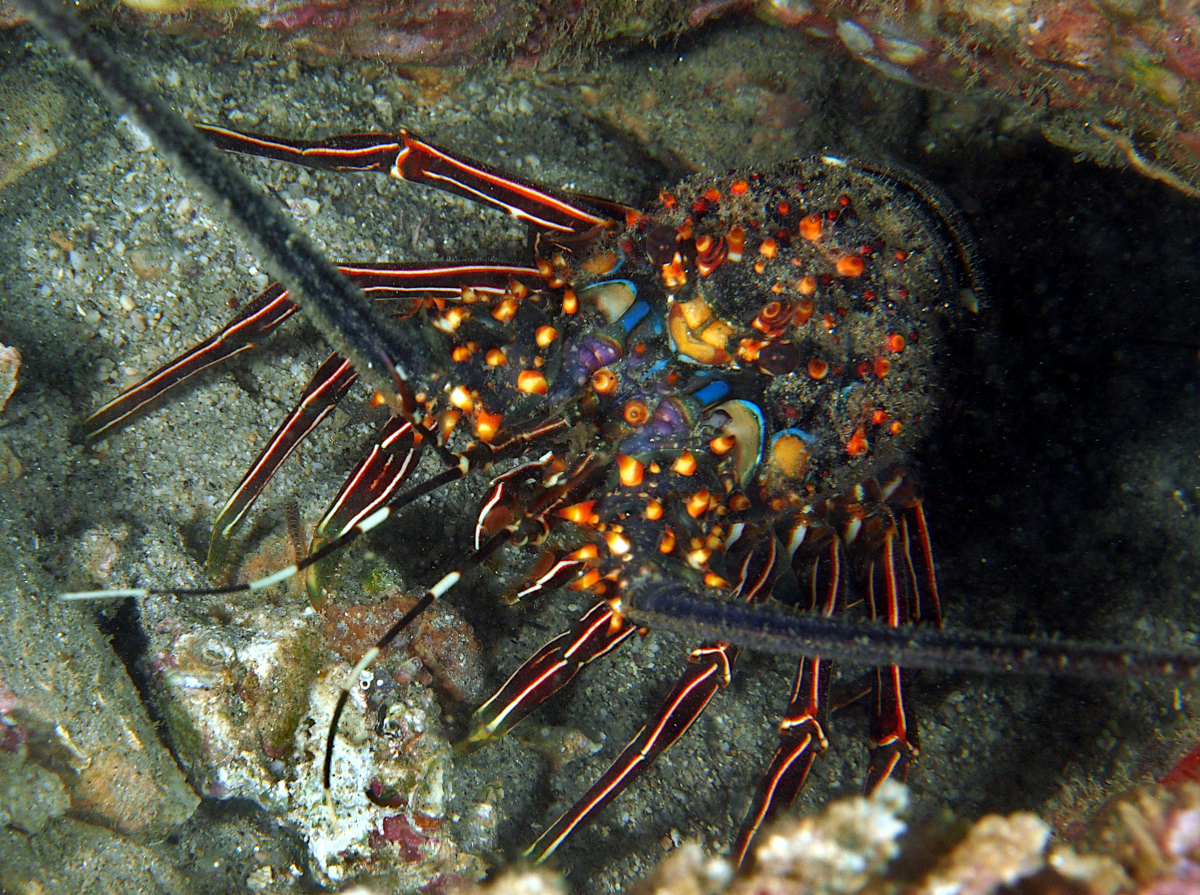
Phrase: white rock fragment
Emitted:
{"points": [[997, 852], [840, 849], [10, 363]]}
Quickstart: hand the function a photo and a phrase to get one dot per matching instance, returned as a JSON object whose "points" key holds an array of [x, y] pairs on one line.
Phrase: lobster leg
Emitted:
{"points": [[265, 311], [374, 481], [706, 673], [382, 281], [901, 586], [407, 157], [599, 631], [268, 309], [326, 388], [802, 730]]}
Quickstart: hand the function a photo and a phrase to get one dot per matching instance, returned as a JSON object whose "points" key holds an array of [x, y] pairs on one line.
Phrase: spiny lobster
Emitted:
{"points": [[713, 394]]}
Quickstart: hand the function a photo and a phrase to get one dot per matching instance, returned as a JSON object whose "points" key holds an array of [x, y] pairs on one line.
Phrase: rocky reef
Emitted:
{"points": [[1114, 80]]}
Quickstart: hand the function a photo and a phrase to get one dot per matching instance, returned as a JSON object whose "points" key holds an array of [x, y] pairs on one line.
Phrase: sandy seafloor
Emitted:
{"points": [[1063, 488]]}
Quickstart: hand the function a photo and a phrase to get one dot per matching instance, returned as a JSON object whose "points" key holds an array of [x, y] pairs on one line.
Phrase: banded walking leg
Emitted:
{"points": [[818, 560], [262, 314], [902, 590], [599, 631], [707, 671], [407, 157], [326, 388]]}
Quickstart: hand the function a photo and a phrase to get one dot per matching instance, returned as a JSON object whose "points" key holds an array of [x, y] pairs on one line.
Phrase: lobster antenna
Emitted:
{"points": [[339, 310], [369, 523], [367, 660], [448, 581], [671, 607]]}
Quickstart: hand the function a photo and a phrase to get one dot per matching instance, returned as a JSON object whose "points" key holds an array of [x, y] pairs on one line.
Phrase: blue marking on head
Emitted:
{"points": [[632, 317], [712, 392]]}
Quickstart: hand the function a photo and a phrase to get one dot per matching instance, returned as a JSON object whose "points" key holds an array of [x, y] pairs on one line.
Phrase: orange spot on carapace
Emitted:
{"points": [[857, 445], [487, 425], [532, 382], [686, 464], [604, 381], [636, 413], [850, 266], [697, 505], [580, 513], [506, 309], [667, 542], [736, 240], [601, 264], [630, 470], [722, 444]]}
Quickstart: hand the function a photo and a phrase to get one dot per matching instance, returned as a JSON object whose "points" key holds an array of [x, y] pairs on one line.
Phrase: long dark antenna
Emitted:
{"points": [[668, 606], [351, 324]]}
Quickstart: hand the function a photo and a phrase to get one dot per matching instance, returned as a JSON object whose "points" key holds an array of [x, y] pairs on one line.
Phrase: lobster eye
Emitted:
{"points": [[778, 358], [661, 245]]}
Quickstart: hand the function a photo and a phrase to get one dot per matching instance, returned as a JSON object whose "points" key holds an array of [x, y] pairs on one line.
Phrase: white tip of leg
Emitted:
{"points": [[374, 520], [445, 584], [274, 578], [115, 594]]}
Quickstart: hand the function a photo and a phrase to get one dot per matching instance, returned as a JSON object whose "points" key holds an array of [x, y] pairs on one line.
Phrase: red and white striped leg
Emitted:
{"points": [[261, 314], [326, 388], [755, 556], [375, 480], [902, 590], [599, 631], [706, 673], [406, 156], [817, 558]]}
